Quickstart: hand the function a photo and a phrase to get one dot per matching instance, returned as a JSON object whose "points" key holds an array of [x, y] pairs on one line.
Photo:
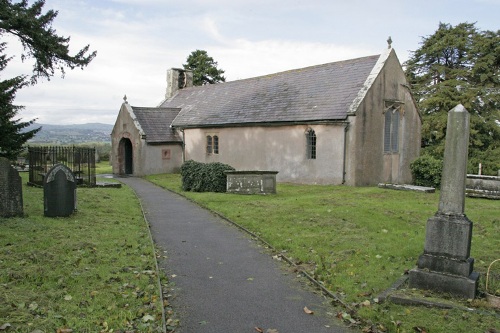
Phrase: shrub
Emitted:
{"points": [[204, 177], [426, 171]]}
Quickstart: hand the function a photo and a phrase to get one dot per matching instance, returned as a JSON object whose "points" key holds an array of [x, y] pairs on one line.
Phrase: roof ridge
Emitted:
{"points": [[281, 72]]}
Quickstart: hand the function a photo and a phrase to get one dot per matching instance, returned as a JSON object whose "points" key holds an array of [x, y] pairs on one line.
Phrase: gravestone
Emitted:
{"points": [[11, 190], [251, 182], [59, 192], [446, 265]]}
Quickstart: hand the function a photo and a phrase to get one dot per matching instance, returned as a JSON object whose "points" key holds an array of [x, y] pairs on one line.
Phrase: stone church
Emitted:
{"points": [[350, 122]]}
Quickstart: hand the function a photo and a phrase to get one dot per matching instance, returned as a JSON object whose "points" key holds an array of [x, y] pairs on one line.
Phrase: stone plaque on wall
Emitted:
{"points": [[11, 193], [59, 191]]}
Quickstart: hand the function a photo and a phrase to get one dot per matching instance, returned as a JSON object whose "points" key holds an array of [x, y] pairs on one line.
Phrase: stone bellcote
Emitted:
{"points": [[178, 79]]}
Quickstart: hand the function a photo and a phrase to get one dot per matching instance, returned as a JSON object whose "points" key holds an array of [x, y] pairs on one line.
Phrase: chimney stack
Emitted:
{"points": [[177, 79]]}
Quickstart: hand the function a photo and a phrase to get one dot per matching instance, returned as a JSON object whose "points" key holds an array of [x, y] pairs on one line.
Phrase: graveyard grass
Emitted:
{"points": [[91, 272], [358, 241]]}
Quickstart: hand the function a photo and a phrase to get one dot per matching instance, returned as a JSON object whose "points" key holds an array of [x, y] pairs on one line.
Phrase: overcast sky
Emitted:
{"points": [[138, 40]]}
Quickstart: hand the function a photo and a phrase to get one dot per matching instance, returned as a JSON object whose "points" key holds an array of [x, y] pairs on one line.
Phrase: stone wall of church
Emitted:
{"points": [[274, 148]]}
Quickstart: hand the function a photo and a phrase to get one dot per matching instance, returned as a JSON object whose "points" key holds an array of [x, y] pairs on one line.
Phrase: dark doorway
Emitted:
{"points": [[126, 157]]}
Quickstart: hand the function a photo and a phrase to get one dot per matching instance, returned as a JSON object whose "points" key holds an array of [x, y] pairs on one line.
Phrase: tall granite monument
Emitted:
{"points": [[446, 265]]}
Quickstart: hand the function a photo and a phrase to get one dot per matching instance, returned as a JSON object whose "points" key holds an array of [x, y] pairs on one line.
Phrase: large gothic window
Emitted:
{"points": [[391, 131]]}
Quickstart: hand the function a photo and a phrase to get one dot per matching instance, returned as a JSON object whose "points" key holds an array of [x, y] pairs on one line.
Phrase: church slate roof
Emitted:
{"points": [[317, 93], [155, 123]]}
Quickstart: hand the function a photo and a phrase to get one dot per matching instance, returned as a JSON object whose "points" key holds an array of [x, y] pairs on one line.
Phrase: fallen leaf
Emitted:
{"points": [[258, 329], [420, 329], [368, 329], [250, 279], [68, 298], [4, 326], [64, 330], [272, 330], [147, 318], [306, 310], [365, 303], [366, 294], [347, 317]]}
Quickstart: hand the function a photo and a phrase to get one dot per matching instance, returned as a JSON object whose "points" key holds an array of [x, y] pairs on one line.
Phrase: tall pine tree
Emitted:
{"points": [[204, 68]]}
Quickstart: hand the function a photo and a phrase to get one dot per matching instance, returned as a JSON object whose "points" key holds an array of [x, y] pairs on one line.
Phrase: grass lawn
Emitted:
{"points": [[94, 271], [358, 242], [103, 168]]}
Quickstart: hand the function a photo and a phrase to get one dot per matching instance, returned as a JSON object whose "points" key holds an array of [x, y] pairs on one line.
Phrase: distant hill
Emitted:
{"points": [[72, 134]]}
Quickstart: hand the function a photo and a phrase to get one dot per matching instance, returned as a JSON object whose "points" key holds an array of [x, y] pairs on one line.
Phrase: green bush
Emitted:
{"points": [[204, 177], [426, 171]]}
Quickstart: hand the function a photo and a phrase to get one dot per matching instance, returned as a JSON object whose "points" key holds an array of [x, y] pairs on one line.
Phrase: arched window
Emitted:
{"points": [[209, 144], [212, 144], [216, 144], [311, 144]]}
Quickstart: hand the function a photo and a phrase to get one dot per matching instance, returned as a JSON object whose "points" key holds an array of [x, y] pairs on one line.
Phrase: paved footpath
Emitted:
{"points": [[223, 281]]}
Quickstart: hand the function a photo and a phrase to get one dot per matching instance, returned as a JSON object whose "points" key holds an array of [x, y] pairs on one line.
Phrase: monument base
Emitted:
{"points": [[446, 265], [465, 287]]}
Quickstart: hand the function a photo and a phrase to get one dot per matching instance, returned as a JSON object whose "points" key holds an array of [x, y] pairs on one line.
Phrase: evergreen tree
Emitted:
{"points": [[204, 68], [459, 65], [50, 53], [12, 138]]}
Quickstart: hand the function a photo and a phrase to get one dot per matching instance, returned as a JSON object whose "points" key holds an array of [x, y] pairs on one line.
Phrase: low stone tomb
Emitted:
{"points": [[481, 186], [251, 182], [11, 190], [59, 192]]}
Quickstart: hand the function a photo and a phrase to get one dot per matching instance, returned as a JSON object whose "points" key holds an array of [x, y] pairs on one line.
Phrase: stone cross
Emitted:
{"points": [[11, 190], [446, 265]]}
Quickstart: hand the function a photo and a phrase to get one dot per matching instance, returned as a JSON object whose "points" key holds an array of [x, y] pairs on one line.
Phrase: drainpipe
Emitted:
{"points": [[345, 152], [183, 146]]}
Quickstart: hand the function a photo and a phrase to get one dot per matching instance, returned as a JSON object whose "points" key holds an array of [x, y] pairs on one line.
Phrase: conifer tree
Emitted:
{"points": [[459, 65], [50, 53], [204, 68]]}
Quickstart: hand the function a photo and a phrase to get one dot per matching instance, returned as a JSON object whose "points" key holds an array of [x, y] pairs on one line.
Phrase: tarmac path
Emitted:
{"points": [[224, 281]]}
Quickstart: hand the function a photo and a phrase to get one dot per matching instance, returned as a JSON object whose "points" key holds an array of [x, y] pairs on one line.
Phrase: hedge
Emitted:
{"points": [[204, 177], [426, 171]]}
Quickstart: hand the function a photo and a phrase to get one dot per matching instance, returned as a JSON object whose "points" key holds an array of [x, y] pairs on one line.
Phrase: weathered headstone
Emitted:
{"points": [[446, 265], [11, 190], [59, 191]]}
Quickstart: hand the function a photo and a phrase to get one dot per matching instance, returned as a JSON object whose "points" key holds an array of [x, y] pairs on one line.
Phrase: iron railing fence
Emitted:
{"points": [[80, 160]]}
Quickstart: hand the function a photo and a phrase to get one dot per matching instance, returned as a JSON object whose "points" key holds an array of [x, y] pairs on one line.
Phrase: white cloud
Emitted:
{"points": [[137, 40]]}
